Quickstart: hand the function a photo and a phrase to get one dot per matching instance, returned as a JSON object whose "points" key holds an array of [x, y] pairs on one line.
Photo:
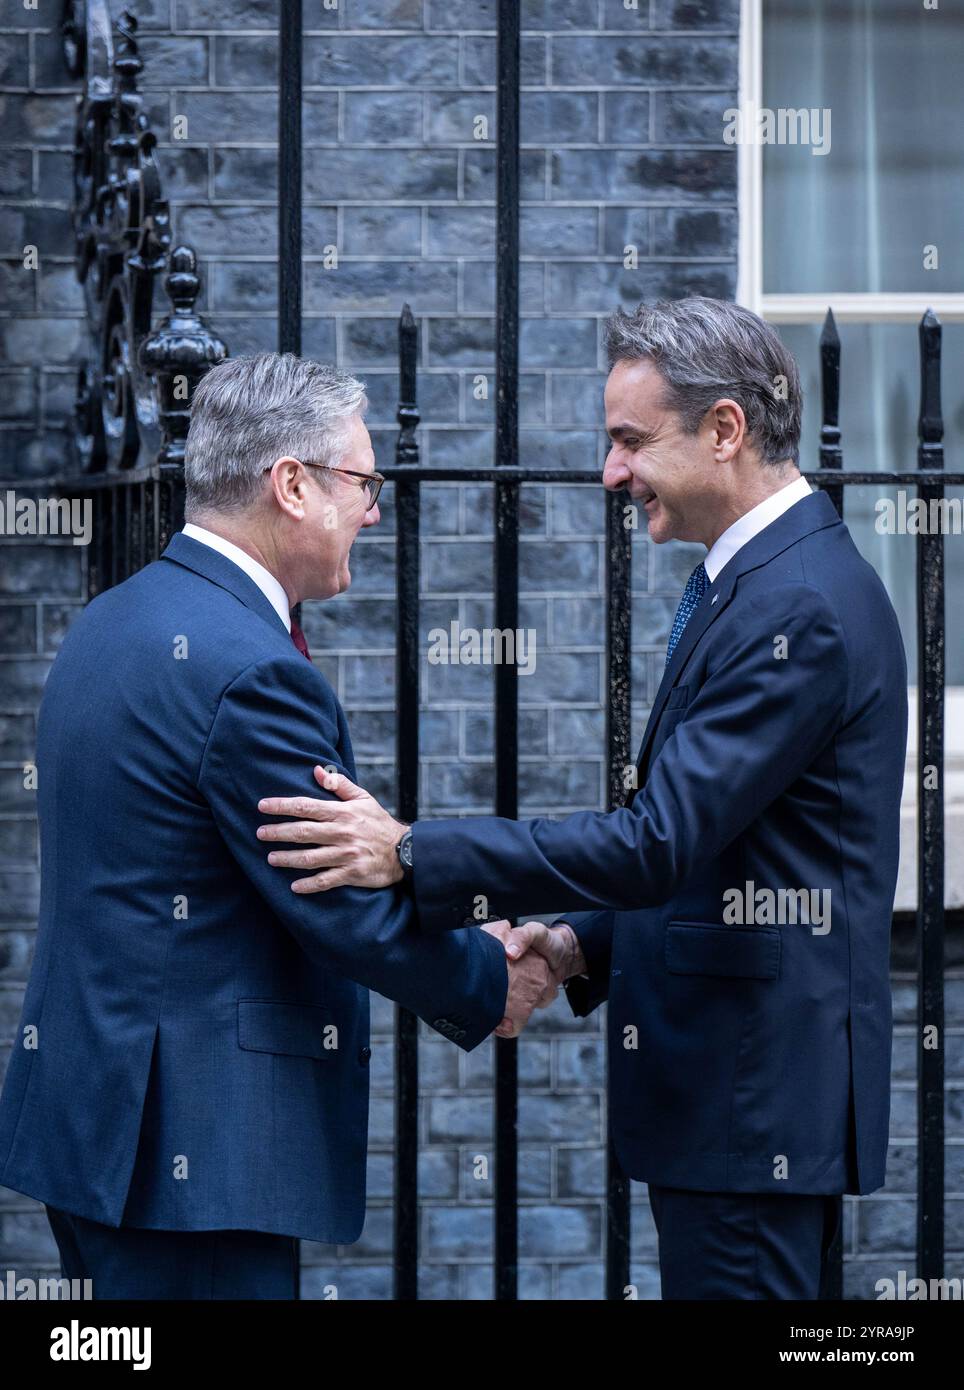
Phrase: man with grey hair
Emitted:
{"points": [[192, 1091], [749, 1041]]}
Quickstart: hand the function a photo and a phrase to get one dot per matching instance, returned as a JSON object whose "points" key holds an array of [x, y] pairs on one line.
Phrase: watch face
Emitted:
{"points": [[405, 850]]}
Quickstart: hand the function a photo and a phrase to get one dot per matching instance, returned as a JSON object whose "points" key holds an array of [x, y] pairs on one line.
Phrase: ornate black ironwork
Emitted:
{"points": [[407, 659], [831, 454], [931, 677], [74, 29], [123, 234], [178, 354]]}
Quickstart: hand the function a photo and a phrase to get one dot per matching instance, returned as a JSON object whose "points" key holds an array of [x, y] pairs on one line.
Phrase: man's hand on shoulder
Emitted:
{"points": [[359, 836]]}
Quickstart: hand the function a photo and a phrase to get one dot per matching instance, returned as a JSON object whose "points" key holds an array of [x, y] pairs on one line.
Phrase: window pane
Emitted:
{"points": [[879, 376], [858, 218]]}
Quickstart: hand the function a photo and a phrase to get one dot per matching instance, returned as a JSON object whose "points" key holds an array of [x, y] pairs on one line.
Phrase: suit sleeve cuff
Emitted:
{"points": [[595, 933]]}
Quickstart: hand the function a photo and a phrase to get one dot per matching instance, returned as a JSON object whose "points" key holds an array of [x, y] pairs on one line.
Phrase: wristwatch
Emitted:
{"points": [[404, 851]]}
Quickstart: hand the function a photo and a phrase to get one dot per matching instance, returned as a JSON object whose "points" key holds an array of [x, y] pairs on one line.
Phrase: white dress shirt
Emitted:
{"points": [[751, 523], [265, 580]]}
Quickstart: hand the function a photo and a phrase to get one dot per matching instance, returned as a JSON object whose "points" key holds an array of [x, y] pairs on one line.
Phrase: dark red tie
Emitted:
{"points": [[298, 637]]}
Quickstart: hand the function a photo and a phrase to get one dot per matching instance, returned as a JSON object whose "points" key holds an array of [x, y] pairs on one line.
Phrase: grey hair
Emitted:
{"points": [[706, 349], [249, 411]]}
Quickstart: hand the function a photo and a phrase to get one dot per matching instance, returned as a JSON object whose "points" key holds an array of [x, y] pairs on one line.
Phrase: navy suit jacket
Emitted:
{"points": [[747, 1055], [194, 1045]]}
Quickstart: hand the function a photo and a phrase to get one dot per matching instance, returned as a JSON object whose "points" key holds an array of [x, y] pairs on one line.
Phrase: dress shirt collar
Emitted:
{"points": [[265, 580], [751, 523]]}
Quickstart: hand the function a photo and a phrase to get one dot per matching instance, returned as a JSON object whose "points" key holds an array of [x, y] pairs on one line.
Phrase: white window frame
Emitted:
{"points": [[855, 308], [800, 308]]}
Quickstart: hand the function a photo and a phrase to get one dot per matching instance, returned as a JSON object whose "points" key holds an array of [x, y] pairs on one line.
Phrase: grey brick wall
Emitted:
{"points": [[41, 333], [621, 144]]}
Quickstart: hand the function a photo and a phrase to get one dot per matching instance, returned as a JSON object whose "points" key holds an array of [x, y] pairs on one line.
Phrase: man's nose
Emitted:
{"points": [[616, 474], [372, 517]]}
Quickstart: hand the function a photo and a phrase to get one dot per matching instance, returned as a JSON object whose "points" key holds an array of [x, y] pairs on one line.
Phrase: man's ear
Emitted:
{"points": [[729, 429], [288, 482]]}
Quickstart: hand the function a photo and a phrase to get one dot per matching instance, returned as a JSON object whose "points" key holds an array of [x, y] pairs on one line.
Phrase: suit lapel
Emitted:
{"points": [[810, 514], [709, 608]]}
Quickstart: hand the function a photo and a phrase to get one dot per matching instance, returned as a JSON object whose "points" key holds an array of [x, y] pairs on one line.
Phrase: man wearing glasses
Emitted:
{"points": [[191, 1092]]}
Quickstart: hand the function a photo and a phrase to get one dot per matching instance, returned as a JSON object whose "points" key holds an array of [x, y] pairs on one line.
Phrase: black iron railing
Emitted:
{"points": [[133, 396]]}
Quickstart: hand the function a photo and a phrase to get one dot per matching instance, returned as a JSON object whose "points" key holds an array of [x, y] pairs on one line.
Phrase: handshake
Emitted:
{"points": [[540, 959]]}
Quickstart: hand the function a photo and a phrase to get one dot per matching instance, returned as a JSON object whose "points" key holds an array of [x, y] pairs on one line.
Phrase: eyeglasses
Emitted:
{"points": [[370, 482]]}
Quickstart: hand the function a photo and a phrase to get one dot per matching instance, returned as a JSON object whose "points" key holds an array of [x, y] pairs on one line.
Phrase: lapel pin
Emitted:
{"points": [[713, 599]]}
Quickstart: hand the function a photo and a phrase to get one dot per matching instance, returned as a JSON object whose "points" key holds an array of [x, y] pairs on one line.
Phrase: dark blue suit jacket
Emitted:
{"points": [[749, 1055], [202, 1035]]}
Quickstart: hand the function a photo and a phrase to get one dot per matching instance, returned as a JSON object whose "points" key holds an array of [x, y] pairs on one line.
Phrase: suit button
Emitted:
{"points": [[365, 1056]]}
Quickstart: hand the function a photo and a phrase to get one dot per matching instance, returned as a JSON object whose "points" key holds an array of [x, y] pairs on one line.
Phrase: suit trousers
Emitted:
{"points": [[131, 1262], [737, 1245]]}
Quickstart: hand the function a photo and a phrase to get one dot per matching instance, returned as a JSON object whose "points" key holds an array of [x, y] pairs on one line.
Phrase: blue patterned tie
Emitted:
{"points": [[694, 591]]}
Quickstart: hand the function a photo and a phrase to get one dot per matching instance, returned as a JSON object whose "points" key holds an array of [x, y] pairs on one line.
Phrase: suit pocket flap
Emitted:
{"points": [[693, 948], [294, 1030]]}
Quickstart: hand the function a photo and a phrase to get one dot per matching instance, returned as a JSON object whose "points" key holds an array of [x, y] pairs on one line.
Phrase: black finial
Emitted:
{"points": [[179, 352]]}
